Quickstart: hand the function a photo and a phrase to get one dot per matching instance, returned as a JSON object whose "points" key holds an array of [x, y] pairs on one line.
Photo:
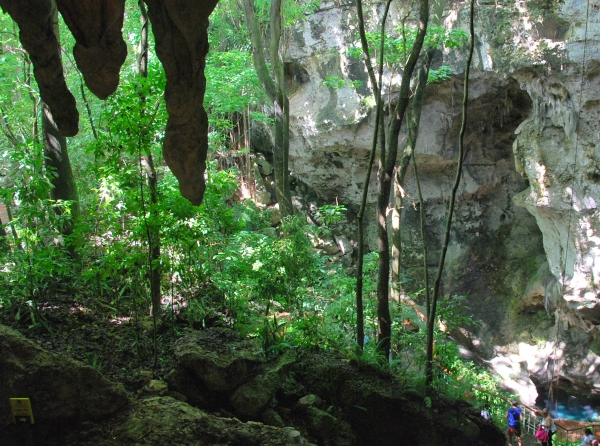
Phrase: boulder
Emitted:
{"points": [[270, 417], [275, 215], [265, 167], [322, 424], [308, 401], [164, 420], [58, 387], [218, 358], [250, 398], [158, 387], [369, 400]]}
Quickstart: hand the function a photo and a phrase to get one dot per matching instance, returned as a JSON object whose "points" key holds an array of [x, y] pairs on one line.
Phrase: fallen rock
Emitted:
{"points": [[218, 358], [275, 215], [164, 420], [308, 401], [271, 418], [322, 424], [249, 399], [58, 387], [158, 387]]}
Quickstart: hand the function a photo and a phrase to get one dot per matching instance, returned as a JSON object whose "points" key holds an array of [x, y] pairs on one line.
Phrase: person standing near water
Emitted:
{"points": [[514, 417], [549, 426], [588, 438]]}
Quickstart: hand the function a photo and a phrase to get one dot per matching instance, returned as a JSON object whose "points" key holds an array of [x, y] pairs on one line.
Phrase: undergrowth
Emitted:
{"points": [[222, 264]]}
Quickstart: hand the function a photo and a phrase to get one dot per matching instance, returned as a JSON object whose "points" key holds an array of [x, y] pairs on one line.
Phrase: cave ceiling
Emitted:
{"points": [[179, 28]]}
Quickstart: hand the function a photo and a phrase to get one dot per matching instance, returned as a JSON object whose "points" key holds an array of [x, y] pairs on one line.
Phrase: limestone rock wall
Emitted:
{"points": [[525, 236]]}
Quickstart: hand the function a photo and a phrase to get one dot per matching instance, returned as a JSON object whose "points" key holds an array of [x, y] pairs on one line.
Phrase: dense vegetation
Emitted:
{"points": [[222, 263]]}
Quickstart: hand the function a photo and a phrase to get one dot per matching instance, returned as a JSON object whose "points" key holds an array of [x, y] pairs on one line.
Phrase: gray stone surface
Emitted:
{"points": [[164, 420], [524, 243], [218, 358]]}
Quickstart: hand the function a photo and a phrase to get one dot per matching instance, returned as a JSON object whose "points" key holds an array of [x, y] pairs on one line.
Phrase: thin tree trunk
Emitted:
{"points": [[376, 86], [147, 161], [4, 246], [35, 131], [385, 174], [88, 108], [13, 229], [57, 157], [438, 279], [274, 87], [413, 119]]}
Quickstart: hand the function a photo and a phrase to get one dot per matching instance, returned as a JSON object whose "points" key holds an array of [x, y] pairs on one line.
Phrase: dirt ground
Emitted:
{"points": [[119, 347]]}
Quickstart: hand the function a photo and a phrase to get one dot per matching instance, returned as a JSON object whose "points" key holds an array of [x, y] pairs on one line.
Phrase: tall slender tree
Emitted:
{"points": [[413, 119], [147, 166], [378, 135], [273, 83], [57, 157], [459, 166], [385, 172]]}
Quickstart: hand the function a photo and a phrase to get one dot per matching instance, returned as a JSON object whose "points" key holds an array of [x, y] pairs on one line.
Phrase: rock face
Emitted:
{"points": [[181, 44], [525, 238], [59, 388], [163, 420], [328, 399]]}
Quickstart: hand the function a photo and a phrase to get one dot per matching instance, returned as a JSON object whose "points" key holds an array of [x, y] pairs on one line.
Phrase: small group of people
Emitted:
{"points": [[588, 438], [514, 415]]}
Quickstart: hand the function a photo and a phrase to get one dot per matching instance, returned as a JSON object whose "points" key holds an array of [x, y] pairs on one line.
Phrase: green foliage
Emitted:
{"points": [[334, 82], [328, 215], [233, 85], [262, 273], [292, 12], [338, 83], [227, 30], [37, 265], [398, 47], [443, 73]]}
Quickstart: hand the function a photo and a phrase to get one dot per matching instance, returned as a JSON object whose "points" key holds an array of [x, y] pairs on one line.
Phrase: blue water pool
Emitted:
{"points": [[576, 412]]}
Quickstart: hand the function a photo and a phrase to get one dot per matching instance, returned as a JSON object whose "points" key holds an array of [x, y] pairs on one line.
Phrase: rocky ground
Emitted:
{"points": [[208, 387]]}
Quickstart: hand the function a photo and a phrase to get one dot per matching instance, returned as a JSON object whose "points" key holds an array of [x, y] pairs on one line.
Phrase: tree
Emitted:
{"points": [[147, 163], [57, 158], [378, 134], [273, 84], [459, 165], [385, 171], [436, 37]]}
